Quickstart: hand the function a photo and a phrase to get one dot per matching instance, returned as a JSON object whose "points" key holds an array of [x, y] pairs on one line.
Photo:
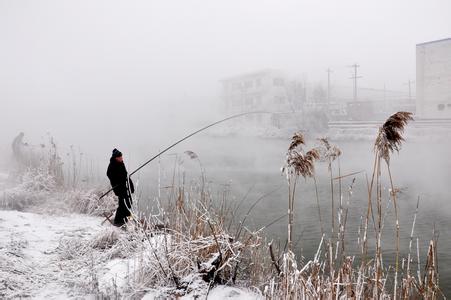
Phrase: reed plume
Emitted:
{"points": [[296, 141], [390, 134], [328, 151], [191, 154], [303, 164], [298, 163]]}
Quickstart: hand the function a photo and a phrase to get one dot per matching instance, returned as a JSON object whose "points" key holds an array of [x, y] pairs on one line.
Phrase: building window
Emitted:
{"points": [[248, 84], [258, 81], [441, 106]]}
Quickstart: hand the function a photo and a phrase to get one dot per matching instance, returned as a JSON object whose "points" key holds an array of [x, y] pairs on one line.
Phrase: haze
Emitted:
{"points": [[108, 71]]}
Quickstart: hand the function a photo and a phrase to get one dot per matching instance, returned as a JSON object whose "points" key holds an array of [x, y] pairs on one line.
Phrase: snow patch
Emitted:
{"points": [[228, 292], [115, 277], [219, 292]]}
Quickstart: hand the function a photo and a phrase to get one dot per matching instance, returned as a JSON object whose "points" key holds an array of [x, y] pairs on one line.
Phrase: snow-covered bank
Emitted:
{"points": [[48, 253], [29, 261], [32, 265]]}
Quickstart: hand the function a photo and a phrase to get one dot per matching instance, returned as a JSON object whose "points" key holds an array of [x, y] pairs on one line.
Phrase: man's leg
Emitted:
{"points": [[121, 212]]}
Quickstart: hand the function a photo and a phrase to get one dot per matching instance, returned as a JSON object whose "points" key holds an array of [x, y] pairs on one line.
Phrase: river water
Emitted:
{"points": [[243, 165]]}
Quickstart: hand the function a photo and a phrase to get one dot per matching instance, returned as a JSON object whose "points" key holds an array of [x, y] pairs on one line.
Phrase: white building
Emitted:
{"points": [[264, 90], [434, 79]]}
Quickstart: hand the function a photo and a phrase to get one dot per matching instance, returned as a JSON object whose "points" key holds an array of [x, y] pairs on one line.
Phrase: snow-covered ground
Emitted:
{"points": [[57, 255], [31, 265], [30, 240]]}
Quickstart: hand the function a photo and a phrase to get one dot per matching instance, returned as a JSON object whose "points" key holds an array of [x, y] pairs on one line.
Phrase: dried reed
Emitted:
{"points": [[329, 153], [298, 163]]}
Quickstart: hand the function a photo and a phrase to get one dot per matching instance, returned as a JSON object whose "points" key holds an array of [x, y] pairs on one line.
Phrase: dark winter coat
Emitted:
{"points": [[118, 178]]}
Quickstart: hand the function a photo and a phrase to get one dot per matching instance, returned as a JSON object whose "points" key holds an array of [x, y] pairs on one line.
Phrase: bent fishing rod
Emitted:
{"points": [[185, 138]]}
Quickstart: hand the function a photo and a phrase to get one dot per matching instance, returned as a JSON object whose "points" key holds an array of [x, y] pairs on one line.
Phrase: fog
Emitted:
{"points": [[139, 75], [109, 73]]}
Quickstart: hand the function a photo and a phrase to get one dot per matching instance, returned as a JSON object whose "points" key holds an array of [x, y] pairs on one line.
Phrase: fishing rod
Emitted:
{"points": [[185, 138]]}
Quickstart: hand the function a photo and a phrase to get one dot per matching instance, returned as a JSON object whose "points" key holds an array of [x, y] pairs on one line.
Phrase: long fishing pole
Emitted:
{"points": [[185, 138]]}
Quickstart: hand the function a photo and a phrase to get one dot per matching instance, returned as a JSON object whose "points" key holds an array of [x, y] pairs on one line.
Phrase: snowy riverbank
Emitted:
{"points": [[28, 243], [31, 264], [48, 254]]}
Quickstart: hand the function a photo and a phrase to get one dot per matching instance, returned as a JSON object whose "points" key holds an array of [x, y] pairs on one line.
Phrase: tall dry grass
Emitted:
{"points": [[331, 273], [298, 163], [47, 183]]}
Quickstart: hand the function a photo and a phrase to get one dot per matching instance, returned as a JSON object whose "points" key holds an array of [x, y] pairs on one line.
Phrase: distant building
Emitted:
{"points": [[434, 79], [372, 103], [264, 90]]}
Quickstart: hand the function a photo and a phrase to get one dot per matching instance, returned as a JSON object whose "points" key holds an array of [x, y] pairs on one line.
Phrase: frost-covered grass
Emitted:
{"points": [[88, 264], [17, 277], [71, 255], [35, 186], [135, 263], [37, 190]]}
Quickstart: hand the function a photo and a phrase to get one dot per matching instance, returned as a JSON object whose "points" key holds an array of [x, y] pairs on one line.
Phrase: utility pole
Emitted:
{"points": [[355, 77], [328, 85]]}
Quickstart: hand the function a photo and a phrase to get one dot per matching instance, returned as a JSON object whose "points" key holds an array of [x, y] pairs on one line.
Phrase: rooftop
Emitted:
{"points": [[436, 41]]}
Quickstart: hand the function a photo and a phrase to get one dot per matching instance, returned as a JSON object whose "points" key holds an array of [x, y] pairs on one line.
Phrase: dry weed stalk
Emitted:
{"points": [[388, 140], [197, 249], [330, 153], [298, 163], [341, 280]]}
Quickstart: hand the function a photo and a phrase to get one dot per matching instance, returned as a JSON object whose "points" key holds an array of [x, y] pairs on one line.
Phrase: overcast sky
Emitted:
{"points": [[84, 68]]}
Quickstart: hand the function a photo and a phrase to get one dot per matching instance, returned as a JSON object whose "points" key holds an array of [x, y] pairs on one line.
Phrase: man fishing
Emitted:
{"points": [[175, 144], [118, 178]]}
